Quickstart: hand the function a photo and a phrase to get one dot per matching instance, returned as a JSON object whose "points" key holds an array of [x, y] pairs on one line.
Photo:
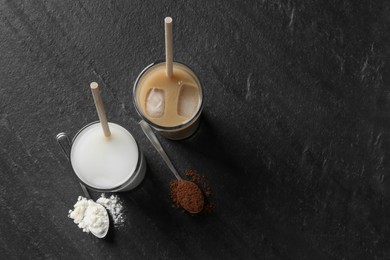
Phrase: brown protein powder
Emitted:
{"points": [[188, 196]]}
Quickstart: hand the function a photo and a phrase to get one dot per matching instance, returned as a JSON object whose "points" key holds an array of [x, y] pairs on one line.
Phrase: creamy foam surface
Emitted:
{"points": [[101, 162]]}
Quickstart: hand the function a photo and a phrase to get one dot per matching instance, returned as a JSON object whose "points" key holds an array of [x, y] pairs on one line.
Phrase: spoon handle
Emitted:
{"points": [[64, 142], [153, 139]]}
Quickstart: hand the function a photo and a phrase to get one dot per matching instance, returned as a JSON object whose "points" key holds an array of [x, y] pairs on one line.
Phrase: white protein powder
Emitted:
{"points": [[114, 207], [89, 216]]}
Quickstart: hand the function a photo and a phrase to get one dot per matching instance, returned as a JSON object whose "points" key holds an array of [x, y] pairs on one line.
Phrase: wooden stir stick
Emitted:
{"points": [[168, 46], [100, 108]]}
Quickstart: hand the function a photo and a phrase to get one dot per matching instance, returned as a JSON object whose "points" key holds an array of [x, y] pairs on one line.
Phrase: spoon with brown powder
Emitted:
{"points": [[189, 196]]}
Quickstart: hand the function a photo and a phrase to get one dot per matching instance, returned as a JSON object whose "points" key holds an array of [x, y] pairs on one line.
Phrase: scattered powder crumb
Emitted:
{"points": [[114, 207], [89, 216]]}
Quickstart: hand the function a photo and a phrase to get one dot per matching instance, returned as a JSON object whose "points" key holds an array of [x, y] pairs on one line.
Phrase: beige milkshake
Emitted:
{"points": [[171, 105]]}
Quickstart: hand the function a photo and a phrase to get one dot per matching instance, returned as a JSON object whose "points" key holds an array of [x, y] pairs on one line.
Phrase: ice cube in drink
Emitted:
{"points": [[188, 100], [155, 102]]}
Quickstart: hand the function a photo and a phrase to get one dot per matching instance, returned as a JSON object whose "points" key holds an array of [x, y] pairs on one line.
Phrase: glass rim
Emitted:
{"points": [[160, 127], [116, 188]]}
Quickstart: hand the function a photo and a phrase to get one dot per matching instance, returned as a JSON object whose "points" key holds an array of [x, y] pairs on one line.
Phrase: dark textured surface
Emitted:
{"points": [[295, 138]]}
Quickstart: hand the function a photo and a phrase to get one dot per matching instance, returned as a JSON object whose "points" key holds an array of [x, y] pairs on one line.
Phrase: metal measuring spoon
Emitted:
{"points": [[61, 138], [153, 139]]}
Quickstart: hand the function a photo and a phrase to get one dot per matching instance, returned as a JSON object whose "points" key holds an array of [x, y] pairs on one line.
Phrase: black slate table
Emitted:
{"points": [[294, 141]]}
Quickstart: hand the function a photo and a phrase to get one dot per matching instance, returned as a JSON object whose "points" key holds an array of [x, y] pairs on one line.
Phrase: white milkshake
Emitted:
{"points": [[114, 163]]}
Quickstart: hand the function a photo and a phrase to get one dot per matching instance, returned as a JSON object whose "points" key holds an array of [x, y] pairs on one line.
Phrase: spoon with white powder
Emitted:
{"points": [[89, 215]]}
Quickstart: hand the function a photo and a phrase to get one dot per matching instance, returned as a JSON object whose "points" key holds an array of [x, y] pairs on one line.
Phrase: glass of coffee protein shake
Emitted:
{"points": [[168, 95], [171, 105]]}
